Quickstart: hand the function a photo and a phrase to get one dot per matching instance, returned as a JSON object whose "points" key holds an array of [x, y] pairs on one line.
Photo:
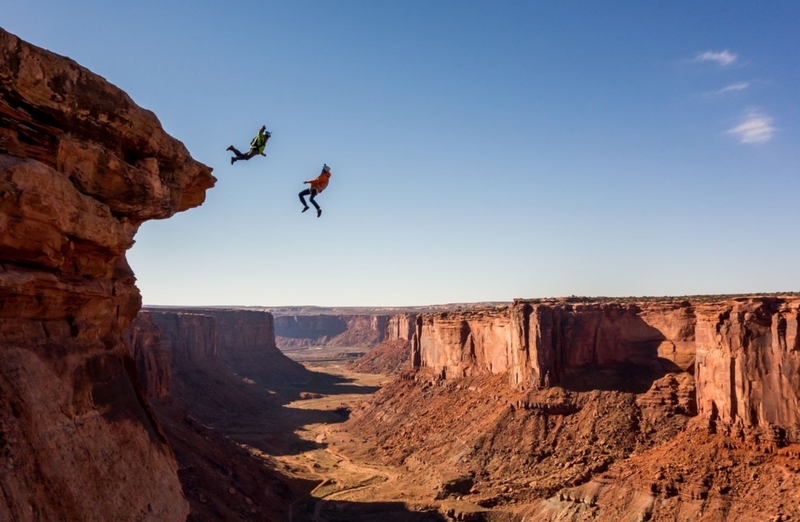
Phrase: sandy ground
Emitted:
{"points": [[349, 488]]}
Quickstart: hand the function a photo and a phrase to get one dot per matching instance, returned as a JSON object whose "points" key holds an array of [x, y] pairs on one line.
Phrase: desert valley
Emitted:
{"points": [[564, 409]]}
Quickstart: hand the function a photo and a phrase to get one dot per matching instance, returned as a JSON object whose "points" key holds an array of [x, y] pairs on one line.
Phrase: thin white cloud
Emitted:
{"points": [[754, 128], [734, 87], [723, 57]]}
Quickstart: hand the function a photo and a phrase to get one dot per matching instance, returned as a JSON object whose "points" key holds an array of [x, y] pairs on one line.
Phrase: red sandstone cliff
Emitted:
{"points": [[401, 326], [143, 339], [228, 381], [561, 339], [744, 353], [160, 341], [457, 344], [534, 339], [748, 368], [245, 336], [242, 340], [81, 167], [295, 331], [186, 337], [570, 410], [393, 354]]}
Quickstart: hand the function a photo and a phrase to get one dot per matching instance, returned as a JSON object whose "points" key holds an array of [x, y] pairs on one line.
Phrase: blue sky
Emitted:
{"points": [[480, 150]]}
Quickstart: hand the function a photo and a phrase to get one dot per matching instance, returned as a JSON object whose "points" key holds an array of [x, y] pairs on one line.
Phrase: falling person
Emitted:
{"points": [[318, 184], [257, 145]]}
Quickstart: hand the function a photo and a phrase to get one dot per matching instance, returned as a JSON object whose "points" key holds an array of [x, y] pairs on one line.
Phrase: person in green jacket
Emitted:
{"points": [[256, 146]]}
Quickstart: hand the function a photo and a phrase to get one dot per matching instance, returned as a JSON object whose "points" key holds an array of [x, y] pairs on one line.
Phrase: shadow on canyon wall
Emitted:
{"points": [[225, 428], [253, 409], [623, 377], [623, 355]]}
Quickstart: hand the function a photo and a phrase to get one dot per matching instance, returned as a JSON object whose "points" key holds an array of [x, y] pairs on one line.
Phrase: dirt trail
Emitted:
{"points": [[337, 473], [352, 486]]}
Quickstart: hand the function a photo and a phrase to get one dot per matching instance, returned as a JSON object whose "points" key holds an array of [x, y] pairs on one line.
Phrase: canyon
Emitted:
{"points": [[342, 328], [564, 409]]}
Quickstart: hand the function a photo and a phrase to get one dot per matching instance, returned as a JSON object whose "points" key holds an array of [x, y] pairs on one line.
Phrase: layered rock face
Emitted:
{"points": [[744, 353], [309, 327], [294, 331], [458, 344], [538, 341], [186, 337], [81, 167], [143, 339], [244, 334], [553, 341], [401, 326], [242, 340], [748, 368]]}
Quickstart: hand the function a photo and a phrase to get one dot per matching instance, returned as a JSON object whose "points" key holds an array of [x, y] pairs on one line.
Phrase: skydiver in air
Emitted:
{"points": [[318, 184], [256, 146]]}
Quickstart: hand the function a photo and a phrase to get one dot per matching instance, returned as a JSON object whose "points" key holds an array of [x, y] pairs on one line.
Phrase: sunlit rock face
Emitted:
{"points": [[401, 326], [81, 167], [744, 352], [748, 368]]}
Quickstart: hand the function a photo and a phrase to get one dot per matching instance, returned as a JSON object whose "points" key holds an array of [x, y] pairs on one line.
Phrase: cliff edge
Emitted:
{"points": [[81, 167]]}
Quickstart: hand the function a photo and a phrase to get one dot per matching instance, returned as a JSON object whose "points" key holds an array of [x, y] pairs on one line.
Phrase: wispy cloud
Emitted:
{"points": [[734, 87], [723, 57], [756, 127]]}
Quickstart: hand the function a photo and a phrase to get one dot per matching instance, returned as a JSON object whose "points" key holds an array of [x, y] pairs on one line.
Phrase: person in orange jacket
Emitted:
{"points": [[318, 184]]}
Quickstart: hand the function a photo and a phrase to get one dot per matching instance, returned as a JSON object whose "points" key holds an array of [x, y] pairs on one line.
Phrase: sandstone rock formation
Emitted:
{"points": [[457, 344], [294, 331], [401, 326], [143, 339], [593, 409], [246, 338], [81, 167], [744, 352], [228, 382], [241, 340], [748, 368], [184, 336]]}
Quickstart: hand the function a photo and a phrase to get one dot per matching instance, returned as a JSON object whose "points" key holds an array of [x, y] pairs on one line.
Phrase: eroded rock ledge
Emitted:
{"points": [[81, 167]]}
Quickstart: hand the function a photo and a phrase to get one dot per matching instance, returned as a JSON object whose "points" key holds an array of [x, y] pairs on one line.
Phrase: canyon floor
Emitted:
{"points": [[351, 487], [341, 446]]}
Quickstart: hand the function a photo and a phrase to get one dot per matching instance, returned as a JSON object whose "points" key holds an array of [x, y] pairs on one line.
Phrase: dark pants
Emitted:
{"points": [[312, 192], [240, 156]]}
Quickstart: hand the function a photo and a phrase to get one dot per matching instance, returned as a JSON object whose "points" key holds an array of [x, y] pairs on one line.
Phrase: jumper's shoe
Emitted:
{"points": [[304, 209], [230, 148], [319, 212], [233, 160]]}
